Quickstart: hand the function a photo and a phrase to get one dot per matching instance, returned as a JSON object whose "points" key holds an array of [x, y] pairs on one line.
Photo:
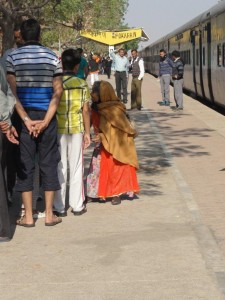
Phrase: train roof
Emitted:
{"points": [[208, 14]]}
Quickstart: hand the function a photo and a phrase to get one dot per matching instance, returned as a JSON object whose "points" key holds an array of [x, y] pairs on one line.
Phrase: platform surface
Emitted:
{"points": [[169, 244]]}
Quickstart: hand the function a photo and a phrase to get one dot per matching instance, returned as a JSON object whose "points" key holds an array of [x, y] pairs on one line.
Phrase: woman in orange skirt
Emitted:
{"points": [[116, 171]]}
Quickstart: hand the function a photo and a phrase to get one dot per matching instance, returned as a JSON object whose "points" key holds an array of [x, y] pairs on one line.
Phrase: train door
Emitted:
{"points": [[201, 64], [193, 34], [209, 61], [197, 67], [206, 61]]}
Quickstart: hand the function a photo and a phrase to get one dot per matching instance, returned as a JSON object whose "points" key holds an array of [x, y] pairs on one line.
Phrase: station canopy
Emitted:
{"points": [[112, 38]]}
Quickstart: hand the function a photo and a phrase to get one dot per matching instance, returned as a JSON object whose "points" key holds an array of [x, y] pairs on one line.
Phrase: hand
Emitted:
{"points": [[12, 135], [31, 126], [39, 127], [4, 126], [87, 140]]}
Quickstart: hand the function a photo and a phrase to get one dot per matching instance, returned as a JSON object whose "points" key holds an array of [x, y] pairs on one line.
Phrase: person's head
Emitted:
{"points": [[162, 53], [17, 36], [80, 50], [121, 52], [102, 91], [134, 53], [30, 30], [175, 54], [95, 92], [94, 56], [70, 59]]}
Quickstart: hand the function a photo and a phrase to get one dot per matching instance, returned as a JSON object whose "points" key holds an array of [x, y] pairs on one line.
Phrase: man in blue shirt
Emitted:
{"points": [[165, 71], [121, 72]]}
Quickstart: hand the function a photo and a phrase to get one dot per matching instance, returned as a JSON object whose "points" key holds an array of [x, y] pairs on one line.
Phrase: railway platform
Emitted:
{"points": [[167, 244]]}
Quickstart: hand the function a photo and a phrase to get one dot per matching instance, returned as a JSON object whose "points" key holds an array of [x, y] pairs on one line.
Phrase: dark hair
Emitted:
{"points": [[70, 58], [17, 27], [80, 50], [96, 87], [162, 50], [30, 30], [134, 50], [176, 53]]}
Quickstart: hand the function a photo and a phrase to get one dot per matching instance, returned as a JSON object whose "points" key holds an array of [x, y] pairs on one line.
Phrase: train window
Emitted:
{"points": [[224, 55], [197, 57], [219, 55], [203, 56]]}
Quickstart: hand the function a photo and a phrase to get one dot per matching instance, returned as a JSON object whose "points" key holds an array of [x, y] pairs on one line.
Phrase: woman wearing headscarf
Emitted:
{"points": [[118, 157]]}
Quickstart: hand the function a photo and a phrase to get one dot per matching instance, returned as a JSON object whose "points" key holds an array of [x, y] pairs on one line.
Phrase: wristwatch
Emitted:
{"points": [[25, 119]]}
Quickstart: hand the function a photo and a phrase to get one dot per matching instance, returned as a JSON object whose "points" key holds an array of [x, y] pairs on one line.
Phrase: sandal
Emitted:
{"points": [[21, 222], [56, 221], [102, 200], [22, 212], [116, 200]]}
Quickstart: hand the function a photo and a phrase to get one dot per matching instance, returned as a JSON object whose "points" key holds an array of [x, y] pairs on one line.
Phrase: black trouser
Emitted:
{"points": [[108, 71], [47, 147], [9, 162], [121, 80], [4, 216]]}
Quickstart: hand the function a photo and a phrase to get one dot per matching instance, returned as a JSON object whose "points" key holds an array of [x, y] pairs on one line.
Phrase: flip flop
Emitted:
{"points": [[21, 222], [57, 221], [102, 200], [116, 200], [4, 239]]}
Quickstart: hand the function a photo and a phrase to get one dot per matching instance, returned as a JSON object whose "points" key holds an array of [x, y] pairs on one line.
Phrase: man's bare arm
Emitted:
{"points": [[86, 119]]}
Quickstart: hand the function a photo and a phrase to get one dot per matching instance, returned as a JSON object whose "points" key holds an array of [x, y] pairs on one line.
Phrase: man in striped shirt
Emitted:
{"points": [[35, 76]]}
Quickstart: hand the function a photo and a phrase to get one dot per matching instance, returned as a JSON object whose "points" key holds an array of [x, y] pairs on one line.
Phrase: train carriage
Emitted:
{"points": [[201, 43]]}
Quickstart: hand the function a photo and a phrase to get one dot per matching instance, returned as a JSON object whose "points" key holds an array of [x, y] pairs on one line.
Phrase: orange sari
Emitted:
{"points": [[115, 178]]}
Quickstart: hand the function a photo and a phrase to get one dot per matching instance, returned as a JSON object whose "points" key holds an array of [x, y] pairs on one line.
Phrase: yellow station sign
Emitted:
{"points": [[112, 38]]}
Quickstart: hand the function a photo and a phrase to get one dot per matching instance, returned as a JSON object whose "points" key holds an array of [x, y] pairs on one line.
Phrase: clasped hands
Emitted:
{"points": [[35, 127]]}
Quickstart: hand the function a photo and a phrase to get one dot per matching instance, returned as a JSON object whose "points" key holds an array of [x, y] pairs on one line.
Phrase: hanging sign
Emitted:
{"points": [[113, 37]]}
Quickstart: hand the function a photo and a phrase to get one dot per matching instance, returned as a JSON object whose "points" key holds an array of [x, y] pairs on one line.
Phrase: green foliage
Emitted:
{"points": [[90, 14], [62, 21]]}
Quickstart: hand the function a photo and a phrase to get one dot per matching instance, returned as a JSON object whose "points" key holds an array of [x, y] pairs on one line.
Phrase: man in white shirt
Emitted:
{"points": [[138, 72], [120, 62]]}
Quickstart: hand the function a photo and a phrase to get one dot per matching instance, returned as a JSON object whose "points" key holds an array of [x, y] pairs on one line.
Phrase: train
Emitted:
{"points": [[201, 43]]}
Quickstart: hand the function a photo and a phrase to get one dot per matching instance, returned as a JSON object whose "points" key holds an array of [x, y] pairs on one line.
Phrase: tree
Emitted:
{"points": [[14, 11], [63, 21], [89, 15]]}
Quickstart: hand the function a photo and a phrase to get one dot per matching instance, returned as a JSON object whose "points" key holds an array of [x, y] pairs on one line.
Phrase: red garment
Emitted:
{"points": [[115, 177]]}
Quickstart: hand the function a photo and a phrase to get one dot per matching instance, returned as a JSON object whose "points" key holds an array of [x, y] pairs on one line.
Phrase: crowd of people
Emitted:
{"points": [[49, 121], [46, 115], [171, 68]]}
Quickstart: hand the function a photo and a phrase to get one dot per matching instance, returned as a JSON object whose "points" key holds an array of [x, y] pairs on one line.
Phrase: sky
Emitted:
{"points": [[160, 17]]}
